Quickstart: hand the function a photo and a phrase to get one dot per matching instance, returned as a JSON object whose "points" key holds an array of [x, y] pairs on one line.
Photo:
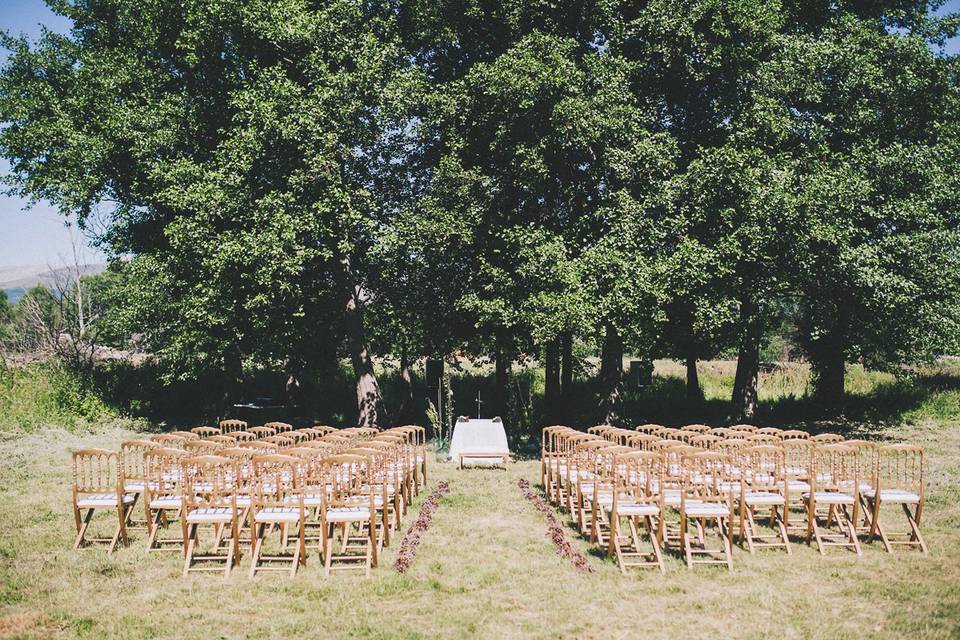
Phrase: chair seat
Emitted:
{"points": [[763, 498], [210, 514], [898, 496], [706, 510], [797, 486], [166, 502], [671, 497], [136, 486], [634, 509], [830, 497], [277, 514], [348, 514], [101, 500]]}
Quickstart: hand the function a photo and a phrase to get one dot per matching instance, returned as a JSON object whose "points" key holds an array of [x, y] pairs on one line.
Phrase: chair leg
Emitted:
{"points": [[189, 543], [654, 533], [914, 520], [256, 542], [82, 527]]}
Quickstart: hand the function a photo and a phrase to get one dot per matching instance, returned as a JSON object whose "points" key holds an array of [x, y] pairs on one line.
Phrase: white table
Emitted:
{"points": [[485, 437]]}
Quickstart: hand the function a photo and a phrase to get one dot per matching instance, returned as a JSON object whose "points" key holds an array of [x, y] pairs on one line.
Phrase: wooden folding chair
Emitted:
{"points": [[826, 438], [797, 460], [835, 487], [277, 503], [163, 496], [548, 453], [206, 432], [636, 498], [222, 441], [794, 434], [201, 447], [131, 460], [242, 436], [279, 427], [230, 426], [758, 439], [346, 505], [703, 500], [696, 428], [648, 428], [281, 441], [744, 429], [770, 431], [898, 480], [763, 486], [705, 441], [601, 493], [723, 432], [98, 486], [209, 498], [642, 441], [582, 472]]}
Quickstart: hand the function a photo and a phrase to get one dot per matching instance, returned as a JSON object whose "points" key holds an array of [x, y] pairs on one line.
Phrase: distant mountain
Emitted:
{"points": [[18, 279]]}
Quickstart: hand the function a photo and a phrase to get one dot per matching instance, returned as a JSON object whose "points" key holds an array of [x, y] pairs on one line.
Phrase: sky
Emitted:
{"points": [[39, 235]]}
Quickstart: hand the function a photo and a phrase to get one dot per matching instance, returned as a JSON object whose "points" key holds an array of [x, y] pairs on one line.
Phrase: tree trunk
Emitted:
{"points": [[369, 398], [566, 364], [694, 393], [611, 376], [503, 358], [433, 382], [552, 391], [748, 362], [828, 360], [405, 414]]}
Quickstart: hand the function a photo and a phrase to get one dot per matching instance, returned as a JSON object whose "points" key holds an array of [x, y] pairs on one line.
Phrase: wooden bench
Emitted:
{"points": [[486, 455]]}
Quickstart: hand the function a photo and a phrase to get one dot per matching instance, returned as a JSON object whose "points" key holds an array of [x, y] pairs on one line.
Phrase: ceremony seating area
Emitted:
{"points": [[696, 490], [272, 492]]}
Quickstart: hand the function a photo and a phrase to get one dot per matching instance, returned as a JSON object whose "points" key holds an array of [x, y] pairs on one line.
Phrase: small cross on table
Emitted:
{"points": [[479, 402]]}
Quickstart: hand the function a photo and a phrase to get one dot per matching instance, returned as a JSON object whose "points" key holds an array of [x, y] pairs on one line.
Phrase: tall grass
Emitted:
{"points": [[47, 394]]}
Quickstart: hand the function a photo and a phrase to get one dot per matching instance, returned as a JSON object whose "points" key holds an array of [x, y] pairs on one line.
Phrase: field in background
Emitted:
{"points": [[484, 569]]}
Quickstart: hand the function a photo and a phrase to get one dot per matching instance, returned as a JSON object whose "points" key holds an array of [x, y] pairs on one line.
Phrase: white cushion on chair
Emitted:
{"points": [[101, 500], [166, 502], [763, 498], [348, 514], [210, 514], [830, 497], [706, 509], [277, 514], [634, 509], [797, 486], [899, 496]]}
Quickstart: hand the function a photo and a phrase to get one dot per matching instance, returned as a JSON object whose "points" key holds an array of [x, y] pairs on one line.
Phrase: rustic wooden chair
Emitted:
{"points": [[898, 480], [724, 432], [548, 451], [163, 497], [382, 484], [582, 472], [168, 440], [702, 501], [826, 438], [636, 497], [98, 486], [566, 466], [661, 444], [835, 487], [603, 486], [186, 435], [794, 434], [222, 440], [762, 486], [324, 428], [277, 503], [669, 433], [231, 426], [798, 460], [770, 431], [367, 432], [281, 441], [642, 441], [600, 429], [131, 460], [209, 498], [206, 432], [758, 439], [242, 436], [346, 505]]}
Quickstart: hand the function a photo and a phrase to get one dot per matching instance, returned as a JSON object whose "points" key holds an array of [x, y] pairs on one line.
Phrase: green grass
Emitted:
{"points": [[485, 568]]}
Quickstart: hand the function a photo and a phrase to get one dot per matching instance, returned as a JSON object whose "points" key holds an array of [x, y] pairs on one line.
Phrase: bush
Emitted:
{"points": [[44, 394]]}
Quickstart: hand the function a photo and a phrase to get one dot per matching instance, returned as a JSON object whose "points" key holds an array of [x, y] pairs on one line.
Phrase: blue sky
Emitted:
{"points": [[39, 235]]}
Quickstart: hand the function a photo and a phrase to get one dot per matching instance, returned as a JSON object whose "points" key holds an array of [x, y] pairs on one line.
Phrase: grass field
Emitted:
{"points": [[484, 569]]}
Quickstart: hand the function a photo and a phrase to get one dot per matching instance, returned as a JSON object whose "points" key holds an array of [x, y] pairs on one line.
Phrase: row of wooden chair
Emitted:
{"points": [[613, 481], [357, 482]]}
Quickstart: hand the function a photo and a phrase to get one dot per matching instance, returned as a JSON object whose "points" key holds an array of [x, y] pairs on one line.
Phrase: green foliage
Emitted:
{"points": [[47, 394]]}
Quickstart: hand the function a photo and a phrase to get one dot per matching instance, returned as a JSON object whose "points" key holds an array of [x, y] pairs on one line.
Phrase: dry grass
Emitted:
{"points": [[485, 568]]}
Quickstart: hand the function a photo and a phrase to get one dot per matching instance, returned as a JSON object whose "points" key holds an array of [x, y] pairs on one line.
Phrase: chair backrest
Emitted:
{"points": [[162, 468], [705, 441], [835, 468], [96, 471], [344, 476], [769, 431], [798, 458], [668, 433], [242, 436], [642, 441], [276, 477], [764, 438], [639, 477], [763, 468], [187, 435], [131, 457], [826, 438], [208, 482], [229, 426], [742, 428], [723, 432], [648, 428], [696, 428], [168, 440], [223, 441], [661, 444], [794, 434], [731, 446], [262, 432], [705, 474], [279, 427], [201, 447], [206, 432], [901, 466], [262, 448], [280, 441], [600, 429]]}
